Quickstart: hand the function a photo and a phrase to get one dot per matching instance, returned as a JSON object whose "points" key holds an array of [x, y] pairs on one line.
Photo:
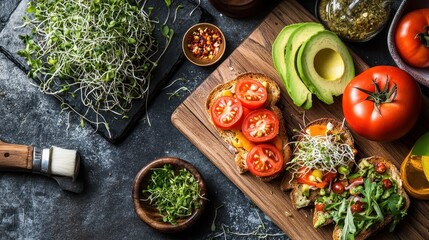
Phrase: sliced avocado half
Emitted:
{"points": [[325, 65], [278, 52], [300, 94]]}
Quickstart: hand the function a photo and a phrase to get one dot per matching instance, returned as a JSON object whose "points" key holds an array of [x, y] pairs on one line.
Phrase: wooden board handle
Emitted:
{"points": [[16, 157]]}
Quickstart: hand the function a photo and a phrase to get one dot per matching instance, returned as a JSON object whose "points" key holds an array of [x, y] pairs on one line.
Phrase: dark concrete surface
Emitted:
{"points": [[34, 207]]}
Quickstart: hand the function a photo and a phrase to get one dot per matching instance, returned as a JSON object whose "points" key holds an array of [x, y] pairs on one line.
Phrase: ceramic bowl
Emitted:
{"points": [[420, 74], [148, 213], [187, 47]]}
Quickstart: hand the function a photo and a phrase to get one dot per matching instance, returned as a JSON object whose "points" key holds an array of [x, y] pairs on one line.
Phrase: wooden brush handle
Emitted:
{"points": [[16, 157]]}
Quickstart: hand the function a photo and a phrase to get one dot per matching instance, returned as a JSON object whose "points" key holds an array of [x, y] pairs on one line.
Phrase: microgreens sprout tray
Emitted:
{"points": [[112, 125]]}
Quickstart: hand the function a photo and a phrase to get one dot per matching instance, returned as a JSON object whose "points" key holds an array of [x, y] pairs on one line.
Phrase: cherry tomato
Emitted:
{"points": [[380, 167], [387, 183], [412, 38], [329, 176], [382, 104], [264, 160], [320, 206], [338, 188], [251, 93], [226, 112], [260, 126], [357, 207]]}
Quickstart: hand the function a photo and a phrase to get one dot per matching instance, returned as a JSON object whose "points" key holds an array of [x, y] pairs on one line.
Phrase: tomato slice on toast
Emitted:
{"points": [[264, 160], [260, 126], [226, 112], [251, 93]]}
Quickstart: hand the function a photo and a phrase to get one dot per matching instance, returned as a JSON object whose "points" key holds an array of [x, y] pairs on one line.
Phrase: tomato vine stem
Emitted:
{"points": [[424, 37], [379, 96]]}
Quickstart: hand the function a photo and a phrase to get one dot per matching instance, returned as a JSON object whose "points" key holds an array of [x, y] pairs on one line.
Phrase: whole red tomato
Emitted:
{"points": [[412, 38], [382, 103]]}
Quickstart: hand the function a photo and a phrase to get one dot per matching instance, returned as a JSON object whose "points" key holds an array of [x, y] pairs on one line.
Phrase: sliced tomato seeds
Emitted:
{"points": [[250, 92], [261, 162], [226, 110], [264, 160], [260, 126]]}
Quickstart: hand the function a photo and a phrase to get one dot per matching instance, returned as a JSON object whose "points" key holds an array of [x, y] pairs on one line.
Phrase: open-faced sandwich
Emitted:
{"points": [[363, 202], [323, 149], [245, 115]]}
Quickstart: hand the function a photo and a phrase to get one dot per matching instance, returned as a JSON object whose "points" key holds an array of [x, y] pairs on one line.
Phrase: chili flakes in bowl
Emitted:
{"points": [[203, 44]]}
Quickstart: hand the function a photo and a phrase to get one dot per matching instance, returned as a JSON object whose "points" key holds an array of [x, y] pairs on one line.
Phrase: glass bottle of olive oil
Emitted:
{"points": [[413, 177]]}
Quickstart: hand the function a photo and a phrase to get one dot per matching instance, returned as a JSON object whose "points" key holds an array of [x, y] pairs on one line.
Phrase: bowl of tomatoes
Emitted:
{"points": [[408, 39]]}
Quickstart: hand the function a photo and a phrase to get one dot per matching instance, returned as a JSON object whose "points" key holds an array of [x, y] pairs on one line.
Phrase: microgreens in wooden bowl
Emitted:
{"points": [[203, 44], [169, 194]]}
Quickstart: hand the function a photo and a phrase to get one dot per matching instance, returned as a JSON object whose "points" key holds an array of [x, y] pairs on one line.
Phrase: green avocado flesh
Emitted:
{"points": [[284, 52], [299, 92], [311, 60], [325, 65], [279, 52]]}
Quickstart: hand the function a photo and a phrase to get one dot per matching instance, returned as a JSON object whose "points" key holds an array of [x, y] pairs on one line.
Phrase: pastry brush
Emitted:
{"points": [[58, 163]]}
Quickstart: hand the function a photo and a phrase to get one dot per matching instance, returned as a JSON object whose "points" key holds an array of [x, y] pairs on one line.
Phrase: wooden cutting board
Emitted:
{"points": [[254, 55]]}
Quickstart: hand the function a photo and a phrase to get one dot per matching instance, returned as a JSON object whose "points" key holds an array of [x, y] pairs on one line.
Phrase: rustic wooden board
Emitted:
{"points": [[254, 55]]}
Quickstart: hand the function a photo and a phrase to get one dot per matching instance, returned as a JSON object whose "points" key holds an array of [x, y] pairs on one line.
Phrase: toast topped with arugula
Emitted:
{"points": [[244, 114], [324, 148], [370, 199]]}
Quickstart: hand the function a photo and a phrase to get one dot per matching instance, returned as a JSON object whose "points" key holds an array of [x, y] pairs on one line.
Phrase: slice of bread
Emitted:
{"points": [[394, 173], [289, 181], [230, 136]]}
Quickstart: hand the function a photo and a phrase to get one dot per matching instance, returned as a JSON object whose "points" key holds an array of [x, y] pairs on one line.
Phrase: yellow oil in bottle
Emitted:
{"points": [[413, 177]]}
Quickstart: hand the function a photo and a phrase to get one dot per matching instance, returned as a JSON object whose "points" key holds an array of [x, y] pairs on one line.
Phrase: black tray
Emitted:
{"points": [[120, 127]]}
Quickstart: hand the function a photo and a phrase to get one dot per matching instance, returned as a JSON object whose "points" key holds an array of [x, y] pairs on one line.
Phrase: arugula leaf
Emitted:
{"points": [[379, 192], [393, 204], [377, 209], [349, 227]]}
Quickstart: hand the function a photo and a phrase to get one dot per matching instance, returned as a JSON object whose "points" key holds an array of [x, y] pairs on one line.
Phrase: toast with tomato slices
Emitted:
{"points": [[238, 142], [377, 181], [306, 180]]}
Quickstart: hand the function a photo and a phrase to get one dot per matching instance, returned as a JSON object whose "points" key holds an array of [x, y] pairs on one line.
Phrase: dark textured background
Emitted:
{"points": [[33, 207]]}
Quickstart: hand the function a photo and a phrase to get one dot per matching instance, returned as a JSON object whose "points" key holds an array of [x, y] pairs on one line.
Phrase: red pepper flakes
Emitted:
{"points": [[205, 43]]}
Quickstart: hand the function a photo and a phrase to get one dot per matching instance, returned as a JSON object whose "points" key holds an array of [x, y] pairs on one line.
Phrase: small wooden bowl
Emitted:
{"points": [[148, 213], [188, 53], [420, 74]]}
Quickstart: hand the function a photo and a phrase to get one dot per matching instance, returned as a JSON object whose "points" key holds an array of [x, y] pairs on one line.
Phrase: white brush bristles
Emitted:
{"points": [[63, 162]]}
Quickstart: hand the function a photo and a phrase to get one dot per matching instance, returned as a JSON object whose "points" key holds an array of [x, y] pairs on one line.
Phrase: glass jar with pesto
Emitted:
{"points": [[354, 20]]}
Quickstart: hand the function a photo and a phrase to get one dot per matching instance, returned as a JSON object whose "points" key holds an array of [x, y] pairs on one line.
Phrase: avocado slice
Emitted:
{"points": [[325, 65], [300, 93], [278, 53]]}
